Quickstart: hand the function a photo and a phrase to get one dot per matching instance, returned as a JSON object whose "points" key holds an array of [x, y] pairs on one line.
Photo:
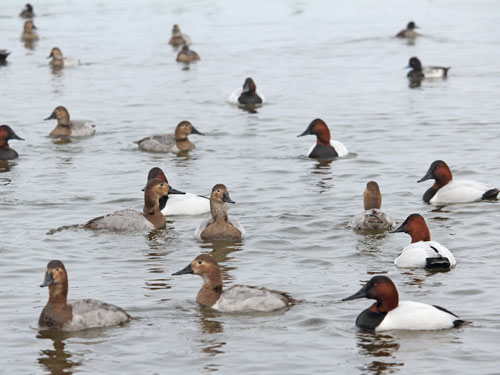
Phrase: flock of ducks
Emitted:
{"points": [[161, 199]]}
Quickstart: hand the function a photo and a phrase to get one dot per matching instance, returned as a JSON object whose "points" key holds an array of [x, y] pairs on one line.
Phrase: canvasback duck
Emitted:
{"points": [[129, 220], [178, 39], [29, 35], [409, 32], [27, 12], [446, 190], [6, 134], [67, 127], [420, 72], [219, 227], [388, 313], [175, 143], [247, 95], [186, 55], [422, 252], [237, 298], [60, 61], [180, 203], [3, 56], [324, 148], [78, 314], [373, 218]]}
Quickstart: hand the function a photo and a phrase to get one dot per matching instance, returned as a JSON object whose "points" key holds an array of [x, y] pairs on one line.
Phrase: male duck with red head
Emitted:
{"points": [[446, 190], [389, 313], [247, 95], [324, 148], [422, 252], [6, 134], [78, 314]]}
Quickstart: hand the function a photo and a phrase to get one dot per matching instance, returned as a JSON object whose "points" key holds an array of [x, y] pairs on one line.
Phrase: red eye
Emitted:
{"points": [[375, 284]]}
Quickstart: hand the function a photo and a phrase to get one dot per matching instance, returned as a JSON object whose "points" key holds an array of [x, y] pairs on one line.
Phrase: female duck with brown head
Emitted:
{"points": [[178, 39], [373, 218], [446, 190], [389, 313], [324, 148], [6, 134], [59, 61], [67, 127], [409, 32], [422, 252], [131, 220], [27, 12], [220, 227], [29, 34], [247, 95], [237, 298], [78, 314], [175, 143], [186, 55]]}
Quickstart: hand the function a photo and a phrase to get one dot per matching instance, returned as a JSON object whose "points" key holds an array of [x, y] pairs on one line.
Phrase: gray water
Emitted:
{"points": [[333, 60]]}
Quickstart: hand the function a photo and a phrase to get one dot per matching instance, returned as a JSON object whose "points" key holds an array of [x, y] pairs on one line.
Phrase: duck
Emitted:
{"points": [[27, 12], [3, 56], [67, 127], [175, 143], [388, 313], [446, 190], [248, 94], [420, 72], [186, 55], [422, 252], [131, 220], [60, 61], [409, 32], [373, 218], [324, 148], [219, 227], [75, 315], [6, 134], [237, 298], [178, 39], [29, 35], [181, 203]]}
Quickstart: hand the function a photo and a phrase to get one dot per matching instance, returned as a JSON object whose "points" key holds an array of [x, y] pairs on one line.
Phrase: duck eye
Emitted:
{"points": [[199, 262], [57, 269], [375, 284]]}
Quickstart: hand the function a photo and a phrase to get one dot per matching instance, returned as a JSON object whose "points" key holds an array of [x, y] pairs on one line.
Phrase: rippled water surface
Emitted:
{"points": [[334, 60]]}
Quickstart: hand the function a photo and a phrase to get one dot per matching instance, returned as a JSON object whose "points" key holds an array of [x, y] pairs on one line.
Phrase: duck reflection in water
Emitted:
{"points": [[211, 332], [322, 168], [377, 347], [58, 360]]}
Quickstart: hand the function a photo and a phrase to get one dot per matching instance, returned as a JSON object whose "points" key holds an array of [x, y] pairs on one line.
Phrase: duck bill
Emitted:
{"points": [[226, 198], [196, 131], [15, 136], [50, 56], [399, 229], [428, 176], [49, 280], [185, 270], [171, 190], [359, 294], [53, 114], [306, 132]]}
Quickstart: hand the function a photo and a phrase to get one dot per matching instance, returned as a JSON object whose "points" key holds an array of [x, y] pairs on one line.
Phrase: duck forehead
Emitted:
{"points": [[55, 264]]}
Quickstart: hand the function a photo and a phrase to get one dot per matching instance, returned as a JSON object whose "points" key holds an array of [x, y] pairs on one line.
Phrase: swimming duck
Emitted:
{"points": [[323, 148], [372, 218], [3, 56], [170, 142], [78, 314], [29, 34], [6, 134], [388, 313], [178, 39], [237, 298], [27, 12], [419, 72], [248, 94], [65, 127], [422, 252], [59, 61], [129, 220], [409, 32], [186, 55], [219, 226], [447, 191], [180, 203]]}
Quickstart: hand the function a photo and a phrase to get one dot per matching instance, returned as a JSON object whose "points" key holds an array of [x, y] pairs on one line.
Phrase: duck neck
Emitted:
{"points": [[387, 301], [64, 121], [58, 293], [323, 137], [4, 143], [183, 143], [219, 211], [211, 290], [372, 201], [152, 211], [420, 233]]}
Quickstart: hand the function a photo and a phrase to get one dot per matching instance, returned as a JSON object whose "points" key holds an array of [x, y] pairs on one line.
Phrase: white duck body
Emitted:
{"points": [[460, 191], [415, 255], [91, 313], [186, 204], [373, 219], [124, 220], [201, 227], [434, 71], [233, 98], [339, 147], [159, 143], [81, 128], [240, 298], [411, 315]]}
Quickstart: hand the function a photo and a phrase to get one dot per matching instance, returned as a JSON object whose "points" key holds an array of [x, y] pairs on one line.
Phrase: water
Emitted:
{"points": [[336, 61]]}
